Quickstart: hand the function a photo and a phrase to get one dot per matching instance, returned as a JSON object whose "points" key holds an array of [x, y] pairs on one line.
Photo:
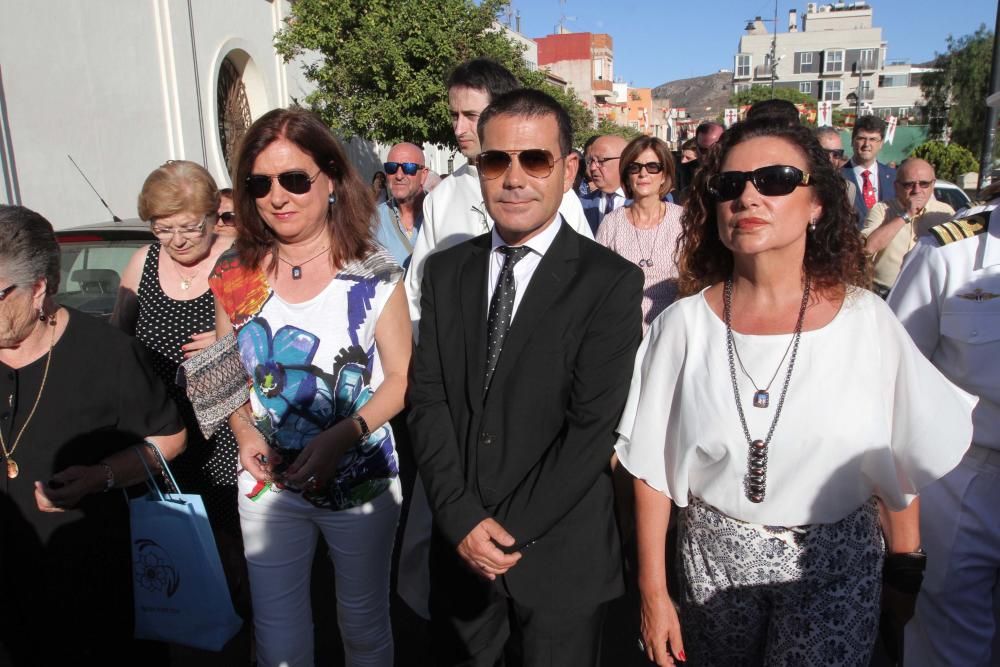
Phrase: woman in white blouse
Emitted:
{"points": [[773, 406], [645, 231]]}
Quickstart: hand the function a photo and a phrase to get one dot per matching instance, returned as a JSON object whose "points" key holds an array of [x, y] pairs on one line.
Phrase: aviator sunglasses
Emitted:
{"points": [[535, 162], [636, 167], [294, 182], [409, 168], [774, 181]]}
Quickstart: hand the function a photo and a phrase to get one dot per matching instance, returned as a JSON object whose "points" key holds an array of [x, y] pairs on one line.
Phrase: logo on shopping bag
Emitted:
{"points": [[154, 570]]}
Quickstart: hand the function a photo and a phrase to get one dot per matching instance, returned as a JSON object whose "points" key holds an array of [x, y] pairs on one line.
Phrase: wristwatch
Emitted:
{"points": [[906, 217]]}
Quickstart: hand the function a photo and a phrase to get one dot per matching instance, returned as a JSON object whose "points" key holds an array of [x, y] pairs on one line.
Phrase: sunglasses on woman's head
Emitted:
{"points": [[536, 162], [409, 168], [774, 181], [636, 167], [295, 182]]}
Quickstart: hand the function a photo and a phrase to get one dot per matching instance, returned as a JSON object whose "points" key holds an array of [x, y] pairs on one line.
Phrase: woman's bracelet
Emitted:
{"points": [[365, 431]]}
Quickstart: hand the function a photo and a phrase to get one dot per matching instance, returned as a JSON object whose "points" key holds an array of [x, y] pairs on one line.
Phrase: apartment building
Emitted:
{"points": [[584, 60], [837, 54]]}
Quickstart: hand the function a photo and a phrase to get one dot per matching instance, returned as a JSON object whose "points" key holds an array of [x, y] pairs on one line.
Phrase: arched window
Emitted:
{"points": [[234, 109]]}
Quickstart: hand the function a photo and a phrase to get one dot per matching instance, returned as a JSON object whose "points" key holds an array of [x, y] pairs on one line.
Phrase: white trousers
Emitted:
{"points": [[958, 610], [280, 531]]}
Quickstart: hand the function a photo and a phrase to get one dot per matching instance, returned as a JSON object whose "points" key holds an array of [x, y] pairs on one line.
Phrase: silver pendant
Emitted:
{"points": [[646, 263], [296, 273], [761, 398], [186, 284]]}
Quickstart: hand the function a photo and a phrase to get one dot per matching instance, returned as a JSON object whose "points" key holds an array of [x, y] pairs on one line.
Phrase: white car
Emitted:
{"points": [[951, 194]]}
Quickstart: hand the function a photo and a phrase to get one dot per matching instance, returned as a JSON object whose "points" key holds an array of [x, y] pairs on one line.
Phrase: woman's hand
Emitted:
{"points": [[257, 458], [317, 464], [199, 342], [661, 629], [68, 487]]}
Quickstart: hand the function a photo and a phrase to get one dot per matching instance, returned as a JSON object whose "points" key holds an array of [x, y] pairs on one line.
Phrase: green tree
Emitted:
{"points": [[759, 93], [379, 66], [949, 160], [956, 91], [606, 127]]}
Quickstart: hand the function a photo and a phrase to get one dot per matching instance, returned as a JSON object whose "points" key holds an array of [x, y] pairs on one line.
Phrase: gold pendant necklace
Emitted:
{"points": [[12, 468], [186, 281]]}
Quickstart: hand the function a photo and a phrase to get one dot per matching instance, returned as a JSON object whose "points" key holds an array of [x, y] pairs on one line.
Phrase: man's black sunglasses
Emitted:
{"points": [[409, 168], [294, 182], [773, 181]]}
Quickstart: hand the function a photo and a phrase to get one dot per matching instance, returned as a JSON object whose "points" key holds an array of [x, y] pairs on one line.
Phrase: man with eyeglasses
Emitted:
{"points": [[875, 180], [527, 342], [892, 227], [455, 212], [402, 214], [602, 162], [829, 139]]}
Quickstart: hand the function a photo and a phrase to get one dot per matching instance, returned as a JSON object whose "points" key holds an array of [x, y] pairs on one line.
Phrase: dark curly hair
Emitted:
{"points": [[834, 256]]}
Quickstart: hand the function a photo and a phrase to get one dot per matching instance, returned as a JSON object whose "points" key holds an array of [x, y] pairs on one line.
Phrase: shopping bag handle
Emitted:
{"points": [[150, 477]]}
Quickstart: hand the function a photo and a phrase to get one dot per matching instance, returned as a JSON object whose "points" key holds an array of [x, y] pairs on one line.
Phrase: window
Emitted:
{"points": [[893, 81], [806, 58], [743, 65], [598, 69], [867, 59], [740, 88], [904, 112], [833, 61], [806, 87], [831, 91]]}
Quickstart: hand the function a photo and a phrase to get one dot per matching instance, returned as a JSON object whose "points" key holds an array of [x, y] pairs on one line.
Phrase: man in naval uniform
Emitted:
{"points": [[948, 298]]}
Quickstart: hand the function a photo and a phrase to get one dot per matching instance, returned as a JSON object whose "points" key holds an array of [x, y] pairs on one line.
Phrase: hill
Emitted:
{"points": [[703, 96]]}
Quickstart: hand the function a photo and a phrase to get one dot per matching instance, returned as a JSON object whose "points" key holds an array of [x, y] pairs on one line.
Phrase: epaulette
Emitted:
{"points": [[965, 225]]}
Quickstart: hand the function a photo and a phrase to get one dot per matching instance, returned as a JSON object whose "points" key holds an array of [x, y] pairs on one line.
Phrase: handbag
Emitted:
{"points": [[179, 587]]}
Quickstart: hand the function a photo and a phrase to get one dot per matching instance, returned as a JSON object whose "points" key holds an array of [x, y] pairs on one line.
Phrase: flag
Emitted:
{"points": [[730, 117], [824, 113], [890, 129]]}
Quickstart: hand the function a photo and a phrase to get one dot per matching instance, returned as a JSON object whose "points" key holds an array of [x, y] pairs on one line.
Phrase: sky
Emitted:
{"points": [[656, 41]]}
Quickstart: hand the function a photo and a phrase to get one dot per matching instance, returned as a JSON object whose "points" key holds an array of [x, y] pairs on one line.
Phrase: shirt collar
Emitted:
{"points": [[858, 169], [538, 244]]}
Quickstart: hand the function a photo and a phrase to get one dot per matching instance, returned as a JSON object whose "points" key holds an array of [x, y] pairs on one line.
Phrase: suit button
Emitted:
{"points": [[485, 439]]}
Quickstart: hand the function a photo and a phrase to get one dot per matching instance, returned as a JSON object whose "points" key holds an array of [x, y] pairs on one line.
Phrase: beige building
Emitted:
{"points": [[836, 54]]}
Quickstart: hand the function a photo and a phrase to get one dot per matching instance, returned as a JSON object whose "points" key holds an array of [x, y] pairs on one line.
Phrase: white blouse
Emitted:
{"points": [[865, 414]]}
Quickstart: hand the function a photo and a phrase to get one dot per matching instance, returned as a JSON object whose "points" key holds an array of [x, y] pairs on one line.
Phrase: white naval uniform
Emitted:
{"points": [[948, 298], [453, 212]]}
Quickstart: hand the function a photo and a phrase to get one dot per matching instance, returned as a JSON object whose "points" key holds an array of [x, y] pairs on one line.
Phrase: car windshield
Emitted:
{"points": [[952, 196], [91, 272]]}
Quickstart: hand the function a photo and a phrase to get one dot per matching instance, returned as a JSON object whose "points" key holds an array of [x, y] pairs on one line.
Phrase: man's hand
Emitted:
{"points": [[479, 549]]}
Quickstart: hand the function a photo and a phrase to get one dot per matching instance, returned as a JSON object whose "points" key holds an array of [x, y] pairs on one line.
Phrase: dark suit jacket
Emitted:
{"points": [[886, 187], [591, 203], [535, 452]]}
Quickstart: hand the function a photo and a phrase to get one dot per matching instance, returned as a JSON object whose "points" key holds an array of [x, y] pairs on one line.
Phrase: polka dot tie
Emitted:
{"points": [[867, 189], [501, 309]]}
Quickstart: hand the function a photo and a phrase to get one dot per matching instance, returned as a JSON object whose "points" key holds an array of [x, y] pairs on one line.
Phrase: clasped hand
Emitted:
{"points": [[68, 487], [480, 552], [313, 468]]}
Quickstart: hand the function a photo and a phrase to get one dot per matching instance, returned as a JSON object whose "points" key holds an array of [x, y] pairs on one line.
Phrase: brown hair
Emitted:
{"points": [[178, 186], [348, 220], [834, 256], [631, 153]]}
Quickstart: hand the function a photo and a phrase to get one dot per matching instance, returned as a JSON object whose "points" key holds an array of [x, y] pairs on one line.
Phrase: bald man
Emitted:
{"points": [[401, 215], [892, 227], [602, 164]]}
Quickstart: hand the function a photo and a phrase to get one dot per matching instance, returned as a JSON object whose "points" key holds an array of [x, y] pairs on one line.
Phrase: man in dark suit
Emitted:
{"points": [[527, 341], [602, 160], [875, 181]]}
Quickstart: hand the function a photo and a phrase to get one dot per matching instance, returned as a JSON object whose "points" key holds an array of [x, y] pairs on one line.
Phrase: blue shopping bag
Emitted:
{"points": [[179, 587]]}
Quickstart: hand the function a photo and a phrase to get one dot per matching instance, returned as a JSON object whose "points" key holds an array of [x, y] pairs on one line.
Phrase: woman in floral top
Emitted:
{"points": [[322, 329]]}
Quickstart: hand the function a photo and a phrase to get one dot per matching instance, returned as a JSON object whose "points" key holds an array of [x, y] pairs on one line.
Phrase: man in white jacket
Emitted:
{"points": [[454, 211]]}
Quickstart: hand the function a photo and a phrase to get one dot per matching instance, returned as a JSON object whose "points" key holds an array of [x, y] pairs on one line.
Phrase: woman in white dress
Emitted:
{"points": [[773, 406]]}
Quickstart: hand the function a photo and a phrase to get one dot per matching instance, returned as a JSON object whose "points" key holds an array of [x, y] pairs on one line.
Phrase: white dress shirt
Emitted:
{"points": [[619, 200], [525, 268], [454, 212]]}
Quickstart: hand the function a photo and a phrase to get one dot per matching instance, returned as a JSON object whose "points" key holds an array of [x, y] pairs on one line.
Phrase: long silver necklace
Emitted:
{"points": [[762, 397], [755, 481], [646, 261]]}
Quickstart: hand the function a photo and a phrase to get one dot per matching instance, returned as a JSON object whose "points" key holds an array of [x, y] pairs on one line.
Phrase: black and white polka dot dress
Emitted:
{"points": [[164, 324]]}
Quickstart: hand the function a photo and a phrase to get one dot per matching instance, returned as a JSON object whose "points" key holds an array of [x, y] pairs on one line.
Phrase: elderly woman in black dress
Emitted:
{"points": [[78, 400]]}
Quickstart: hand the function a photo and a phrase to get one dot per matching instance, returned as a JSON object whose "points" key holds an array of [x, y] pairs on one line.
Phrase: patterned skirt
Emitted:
{"points": [[772, 595]]}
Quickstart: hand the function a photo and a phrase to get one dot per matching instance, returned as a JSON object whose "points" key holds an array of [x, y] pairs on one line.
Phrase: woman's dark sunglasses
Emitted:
{"points": [[535, 162], [228, 217], [774, 181], [409, 168], [636, 167], [295, 182]]}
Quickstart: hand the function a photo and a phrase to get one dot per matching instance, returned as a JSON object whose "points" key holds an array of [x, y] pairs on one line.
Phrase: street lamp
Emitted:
{"points": [[774, 43]]}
